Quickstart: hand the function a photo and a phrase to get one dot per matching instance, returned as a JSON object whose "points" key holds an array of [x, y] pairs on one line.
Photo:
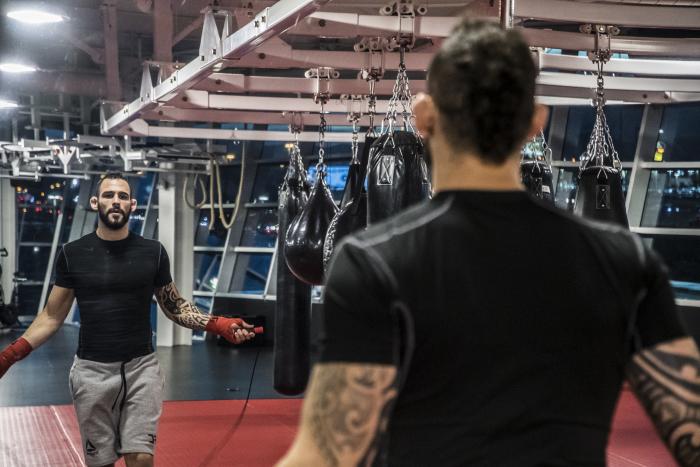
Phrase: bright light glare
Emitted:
{"points": [[8, 104], [35, 16], [16, 68]]}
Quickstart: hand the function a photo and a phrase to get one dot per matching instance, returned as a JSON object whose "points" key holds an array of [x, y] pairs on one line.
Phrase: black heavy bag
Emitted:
{"points": [[600, 196], [293, 306], [303, 246], [398, 175], [537, 178], [353, 212]]}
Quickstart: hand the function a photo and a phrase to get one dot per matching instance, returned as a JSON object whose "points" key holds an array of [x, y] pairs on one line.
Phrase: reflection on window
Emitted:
{"points": [[216, 237], [136, 220], [250, 273], [267, 182], [32, 261], [567, 185], [624, 122], [143, 187], [673, 199], [336, 174], [260, 228], [206, 267], [28, 297], [682, 256], [678, 139]]}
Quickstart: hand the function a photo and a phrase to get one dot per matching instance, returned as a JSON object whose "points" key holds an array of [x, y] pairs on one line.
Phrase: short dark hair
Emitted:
{"points": [[483, 83], [111, 175]]}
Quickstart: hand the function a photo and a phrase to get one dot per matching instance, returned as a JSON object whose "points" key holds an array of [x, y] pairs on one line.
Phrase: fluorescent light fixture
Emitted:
{"points": [[16, 68], [29, 16], [5, 104]]}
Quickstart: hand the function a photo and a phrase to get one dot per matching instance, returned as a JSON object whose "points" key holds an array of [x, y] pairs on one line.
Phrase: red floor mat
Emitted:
{"points": [[199, 434]]}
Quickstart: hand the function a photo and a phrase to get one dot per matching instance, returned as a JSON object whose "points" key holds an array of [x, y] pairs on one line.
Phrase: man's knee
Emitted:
{"points": [[138, 459]]}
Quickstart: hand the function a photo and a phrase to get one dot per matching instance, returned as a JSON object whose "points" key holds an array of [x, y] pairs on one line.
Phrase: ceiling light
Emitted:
{"points": [[4, 104], [35, 16], [16, 68]]}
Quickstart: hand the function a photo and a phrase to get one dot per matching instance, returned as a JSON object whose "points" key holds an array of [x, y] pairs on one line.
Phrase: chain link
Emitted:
{"points": [[401, 99], [600, 150], [321, 165]]}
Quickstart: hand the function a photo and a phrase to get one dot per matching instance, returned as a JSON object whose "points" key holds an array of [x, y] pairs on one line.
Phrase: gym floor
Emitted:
{"points": [[203, 423]]}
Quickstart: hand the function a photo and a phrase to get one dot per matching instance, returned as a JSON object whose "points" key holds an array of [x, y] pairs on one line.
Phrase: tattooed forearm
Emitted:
{"points": [[666, 380], [180, 310], [346, 410]]}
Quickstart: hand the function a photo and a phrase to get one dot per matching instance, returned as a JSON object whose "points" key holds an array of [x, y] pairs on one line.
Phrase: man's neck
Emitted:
{"points": [[112, 235], [468, 172]]}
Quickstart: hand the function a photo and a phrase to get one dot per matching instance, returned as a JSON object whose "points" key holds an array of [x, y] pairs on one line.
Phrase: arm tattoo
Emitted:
{"points": [[180, 310], [348, 408], [667, 382]]}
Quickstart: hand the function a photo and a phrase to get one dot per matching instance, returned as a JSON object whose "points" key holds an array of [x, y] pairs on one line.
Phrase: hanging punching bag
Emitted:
{"points": [[537, 178], [600, 196], [293, 306], [352, 215], [303, 246], [398, 175]]}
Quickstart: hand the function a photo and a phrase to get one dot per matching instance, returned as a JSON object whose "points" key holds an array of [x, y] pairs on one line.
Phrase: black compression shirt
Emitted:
{"points": [[113, 283], [524, 319]]}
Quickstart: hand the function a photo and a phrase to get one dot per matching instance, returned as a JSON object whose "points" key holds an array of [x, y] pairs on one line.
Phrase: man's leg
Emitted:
{"points": [[138, 459], [141, 410]]}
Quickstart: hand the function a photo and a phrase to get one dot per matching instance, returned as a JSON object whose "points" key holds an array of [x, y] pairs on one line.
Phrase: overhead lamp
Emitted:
{"points": [[6, 104], [31, 16], [16, 68]]}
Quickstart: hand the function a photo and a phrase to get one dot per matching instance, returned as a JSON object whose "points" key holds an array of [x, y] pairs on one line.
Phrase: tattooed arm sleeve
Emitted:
{"points": [[666, 379], [180, 310], [345, 413]]}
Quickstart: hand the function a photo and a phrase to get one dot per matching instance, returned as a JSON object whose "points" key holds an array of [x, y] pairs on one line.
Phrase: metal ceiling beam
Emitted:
{"points": [[163, 30], [270, 22], [278, 54], [619, 82], [423, 26], [644, 16], [111, 40], [681, 47], [142, 128], [237, 83], [630, 66]]}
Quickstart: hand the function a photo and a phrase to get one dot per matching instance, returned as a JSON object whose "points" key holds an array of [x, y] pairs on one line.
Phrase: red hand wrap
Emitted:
{"points": [[14, 353], [220, 325]]}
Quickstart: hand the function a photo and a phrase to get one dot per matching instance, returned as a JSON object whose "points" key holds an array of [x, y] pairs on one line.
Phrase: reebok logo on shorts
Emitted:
{"points": [[152, 439], [90, 449]]}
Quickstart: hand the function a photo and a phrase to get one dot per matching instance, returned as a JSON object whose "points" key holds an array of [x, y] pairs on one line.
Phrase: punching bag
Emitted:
{"points": [[398, 175], [600, 196], [293, 306], [537, 178], [352, 215], [303, 245]]}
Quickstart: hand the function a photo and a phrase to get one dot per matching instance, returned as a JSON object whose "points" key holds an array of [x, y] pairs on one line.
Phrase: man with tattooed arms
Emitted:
{"points": [[453, 335], [115, 381]]}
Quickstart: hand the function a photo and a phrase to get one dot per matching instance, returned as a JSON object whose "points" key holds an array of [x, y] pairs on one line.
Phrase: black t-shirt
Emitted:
{"points": [[524, 318], [114, 283]]}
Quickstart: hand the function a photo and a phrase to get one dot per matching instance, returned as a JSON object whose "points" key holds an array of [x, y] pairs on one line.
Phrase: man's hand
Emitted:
{"points": [[234, 330], [13, 353]]}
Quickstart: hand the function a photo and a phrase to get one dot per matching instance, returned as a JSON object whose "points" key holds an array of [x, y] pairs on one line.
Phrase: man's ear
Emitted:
{"points": [[539, 120], [133, 204], [93, 203], [426, 114]]}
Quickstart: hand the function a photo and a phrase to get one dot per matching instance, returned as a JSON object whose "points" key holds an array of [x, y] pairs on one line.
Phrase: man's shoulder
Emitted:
{"points": [[85, 242]]}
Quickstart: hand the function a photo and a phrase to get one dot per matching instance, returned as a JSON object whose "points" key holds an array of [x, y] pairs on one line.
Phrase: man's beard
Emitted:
{"points": [[109, 223]]}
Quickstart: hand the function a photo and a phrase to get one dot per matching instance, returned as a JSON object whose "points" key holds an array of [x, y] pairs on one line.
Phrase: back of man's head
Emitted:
{"points": [[482, 82]]}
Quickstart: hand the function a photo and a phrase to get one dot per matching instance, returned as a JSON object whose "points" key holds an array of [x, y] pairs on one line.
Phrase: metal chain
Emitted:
{"points": [[355, 137], [321, 165], [371, 107], [600, 150], [401, 96]]}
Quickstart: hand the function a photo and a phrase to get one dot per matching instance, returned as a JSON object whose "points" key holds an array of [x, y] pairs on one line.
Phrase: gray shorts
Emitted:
{"points": [[118, 406]]}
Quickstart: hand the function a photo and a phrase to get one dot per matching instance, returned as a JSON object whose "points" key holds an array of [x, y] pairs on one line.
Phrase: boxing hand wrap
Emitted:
{"points": [[221, 326], [14, 353]]}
